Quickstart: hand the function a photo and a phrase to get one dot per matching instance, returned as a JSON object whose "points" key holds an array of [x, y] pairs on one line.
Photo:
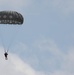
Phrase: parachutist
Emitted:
{"points": [[11, 18], [6, 55]]}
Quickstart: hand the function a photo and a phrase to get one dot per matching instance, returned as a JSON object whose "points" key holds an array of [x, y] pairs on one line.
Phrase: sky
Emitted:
{"points": [[44, 43]]}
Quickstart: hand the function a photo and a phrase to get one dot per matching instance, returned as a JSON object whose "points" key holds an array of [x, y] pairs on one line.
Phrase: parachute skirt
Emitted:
{"points": [[11, 17]]}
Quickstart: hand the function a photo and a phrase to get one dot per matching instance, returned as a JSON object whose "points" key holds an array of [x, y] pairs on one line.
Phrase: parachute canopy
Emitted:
{"points": [[11, 17]]}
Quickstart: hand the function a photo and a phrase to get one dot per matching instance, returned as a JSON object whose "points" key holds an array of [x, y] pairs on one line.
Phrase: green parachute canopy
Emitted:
{"points": [[11, 17]]}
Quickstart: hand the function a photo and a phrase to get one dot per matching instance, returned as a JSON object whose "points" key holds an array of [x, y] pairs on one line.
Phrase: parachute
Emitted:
{"points": [[11, 17], [9, 21]]}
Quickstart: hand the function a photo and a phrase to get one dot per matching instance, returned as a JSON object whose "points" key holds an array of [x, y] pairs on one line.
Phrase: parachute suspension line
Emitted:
{"points": [[2, 41], [14, 36], [11, 42], [3, 44]]}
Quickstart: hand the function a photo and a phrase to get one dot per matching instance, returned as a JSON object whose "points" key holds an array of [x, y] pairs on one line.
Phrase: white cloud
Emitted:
{"points": [[62, 6], [48, 45], [65, 61], [15, 66], [68, 62], [59, 62], [61, 73], [15, 4]]}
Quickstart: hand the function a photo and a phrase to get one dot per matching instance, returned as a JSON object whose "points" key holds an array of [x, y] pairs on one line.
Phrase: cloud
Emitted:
{"points": [[60, 6], [68, 62], [15, 4], [15, 66], [46, 58], [33, 6], [61, 73], [64, 6], [58, 62], [48, 45]]}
